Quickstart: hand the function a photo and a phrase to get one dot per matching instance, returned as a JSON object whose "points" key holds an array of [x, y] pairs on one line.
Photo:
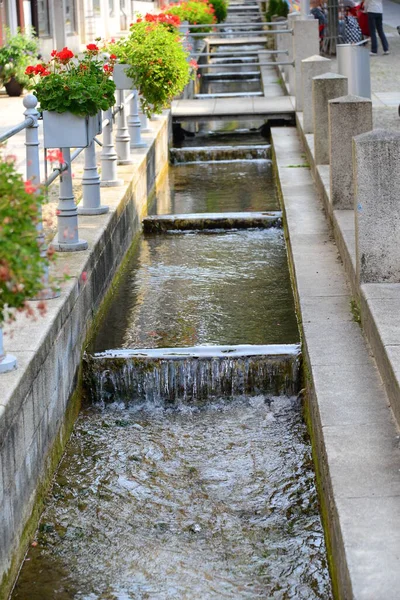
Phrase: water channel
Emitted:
{"points": [[177, 500]]}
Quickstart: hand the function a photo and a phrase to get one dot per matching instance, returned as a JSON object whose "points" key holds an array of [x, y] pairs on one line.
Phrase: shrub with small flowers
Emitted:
{"points": [[196, 12], [66, 84], [21, 263], [157, 61]]}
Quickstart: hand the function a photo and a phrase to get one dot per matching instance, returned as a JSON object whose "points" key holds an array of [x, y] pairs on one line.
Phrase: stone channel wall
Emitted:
{"points": [[37, 401]]}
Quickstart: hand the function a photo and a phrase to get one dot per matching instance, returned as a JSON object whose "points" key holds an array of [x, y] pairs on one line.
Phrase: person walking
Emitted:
{"points": [[374, 10]]}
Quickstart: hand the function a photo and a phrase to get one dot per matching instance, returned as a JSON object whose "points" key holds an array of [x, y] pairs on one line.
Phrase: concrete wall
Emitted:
{"points": [[37, 404]]}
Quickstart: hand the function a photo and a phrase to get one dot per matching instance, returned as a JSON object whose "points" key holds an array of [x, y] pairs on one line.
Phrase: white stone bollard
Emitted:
{"points": [[134, 123], [348, 117], [377, 206], [324, 88], [8, 362], [305, 44], [109, 157], [91, 198], [67, 214], [122, 138], [311, 67], [289, 71]]}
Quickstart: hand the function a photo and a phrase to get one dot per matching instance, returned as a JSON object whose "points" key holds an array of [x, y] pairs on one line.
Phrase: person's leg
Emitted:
{"points": [[381, 33], [372, 31]]}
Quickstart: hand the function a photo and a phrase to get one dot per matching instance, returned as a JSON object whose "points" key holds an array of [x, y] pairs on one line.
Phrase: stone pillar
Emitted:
{"points": [[324, 88], [311, 67], [288, 45], [305, 44], [348, 116], [377, 206]]}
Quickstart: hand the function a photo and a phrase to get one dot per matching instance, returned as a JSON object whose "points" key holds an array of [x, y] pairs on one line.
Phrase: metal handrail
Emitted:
{"points": [[233, 25], [237, 65], [264, 33], [248, 53], [29, 121]]}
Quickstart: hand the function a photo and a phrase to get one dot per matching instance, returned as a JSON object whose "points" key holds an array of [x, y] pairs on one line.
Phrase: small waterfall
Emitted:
{"points": [[219, 153], [212, 221], [192, 374]]}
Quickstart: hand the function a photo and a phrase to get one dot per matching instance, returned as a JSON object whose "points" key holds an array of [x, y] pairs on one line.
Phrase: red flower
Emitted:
{"points": [[55, 156], [65, 55], [193, 63], [30, 71], [108, 68], [113, 57], [53, 53], [29, 187], [92, 48]]}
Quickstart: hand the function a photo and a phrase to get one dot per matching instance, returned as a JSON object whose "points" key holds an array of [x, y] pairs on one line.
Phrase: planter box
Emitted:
{"points": [[121, 79], [65, 130]]}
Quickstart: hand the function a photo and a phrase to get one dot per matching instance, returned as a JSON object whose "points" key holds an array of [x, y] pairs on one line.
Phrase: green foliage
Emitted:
{"points": [[21, 263], [196, 12], [220, 9], [81, 87], [157, 63], [18, 51], [277, 8]]}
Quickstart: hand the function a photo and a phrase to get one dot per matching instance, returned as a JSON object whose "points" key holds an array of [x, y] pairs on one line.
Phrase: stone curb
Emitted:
{"points": [[355, 437]]}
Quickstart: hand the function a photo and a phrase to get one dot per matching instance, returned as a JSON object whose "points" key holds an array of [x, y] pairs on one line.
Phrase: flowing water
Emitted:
{"points": [[182, 504], [199, 486]]}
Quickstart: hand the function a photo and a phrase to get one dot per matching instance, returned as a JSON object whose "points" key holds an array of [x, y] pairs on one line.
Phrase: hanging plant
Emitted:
{"points": [[157, 62]]}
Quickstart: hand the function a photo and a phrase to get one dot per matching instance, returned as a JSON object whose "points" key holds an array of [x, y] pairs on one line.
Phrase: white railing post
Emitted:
{"points": [[144, 123], [67, 213], [134, 123], [33, 174], [91, 199], [122, 139], [108, 155]]}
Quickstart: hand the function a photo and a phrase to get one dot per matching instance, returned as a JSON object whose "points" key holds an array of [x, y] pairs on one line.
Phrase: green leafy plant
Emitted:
{"points": [[220, 9], [66, 84], [277, 8], [18, 51], [21, 261], [196, 12], [157, 63]]}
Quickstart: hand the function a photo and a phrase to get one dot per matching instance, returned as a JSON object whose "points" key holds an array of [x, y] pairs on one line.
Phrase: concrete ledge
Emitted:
{"points": [[378, 303], [35, 399], [211, 221], [355, 437]]}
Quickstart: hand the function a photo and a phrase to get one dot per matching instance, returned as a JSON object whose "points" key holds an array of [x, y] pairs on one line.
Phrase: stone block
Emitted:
{"points": [[377, 206], [288, 45], [324, 88], [349, 116], [305, 44], [311, 67]]}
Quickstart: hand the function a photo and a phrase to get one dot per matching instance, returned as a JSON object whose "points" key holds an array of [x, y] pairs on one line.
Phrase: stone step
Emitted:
{"points": [[211, 221]]}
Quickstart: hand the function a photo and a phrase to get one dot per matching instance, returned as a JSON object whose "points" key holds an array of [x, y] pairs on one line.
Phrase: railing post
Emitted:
{"points": [[109, 156], [122, 139], [33, 175], [134, 123], [305, 44], [67, 213], [144, 123], [91, 199]]}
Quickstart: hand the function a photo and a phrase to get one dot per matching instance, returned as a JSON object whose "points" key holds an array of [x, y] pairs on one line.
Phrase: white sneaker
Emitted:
{"points": [[387, 52], [373, 54]]}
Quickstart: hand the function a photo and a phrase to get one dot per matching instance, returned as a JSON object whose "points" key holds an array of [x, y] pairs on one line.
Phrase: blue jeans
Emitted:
{"points": [[375, 25]]}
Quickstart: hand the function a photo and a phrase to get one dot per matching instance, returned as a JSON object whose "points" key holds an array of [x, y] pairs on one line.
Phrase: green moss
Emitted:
{"points": [[355, 311], [306, 165]]}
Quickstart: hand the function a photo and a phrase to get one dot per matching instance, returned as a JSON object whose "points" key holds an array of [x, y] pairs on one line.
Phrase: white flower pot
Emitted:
{"points": [[65, 130], [121, 79]]}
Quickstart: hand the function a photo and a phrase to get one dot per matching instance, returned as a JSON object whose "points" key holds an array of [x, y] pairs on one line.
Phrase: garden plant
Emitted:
{"points": [[18, 52], [196, 12], [68, 84], [157, 61]]}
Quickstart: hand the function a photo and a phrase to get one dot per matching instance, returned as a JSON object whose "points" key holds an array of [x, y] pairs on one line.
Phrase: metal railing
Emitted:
{"points": [[128, 135]]}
